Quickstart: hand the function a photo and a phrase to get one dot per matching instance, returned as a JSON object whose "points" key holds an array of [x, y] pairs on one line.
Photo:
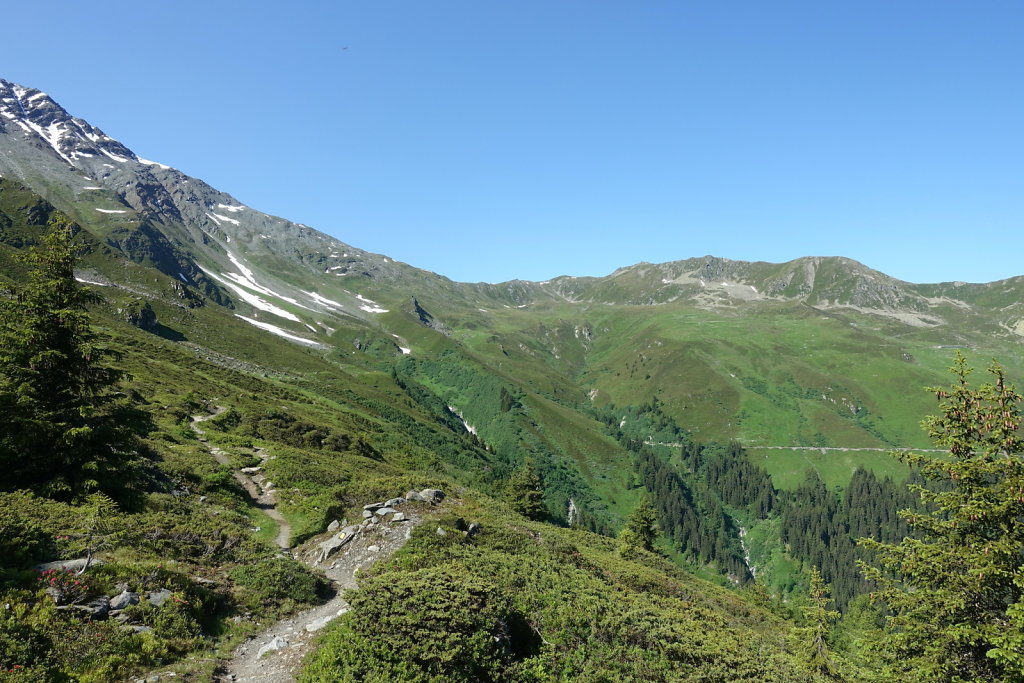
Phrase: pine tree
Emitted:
{"points": [[813, 636], [957, 608], [526, 492], [640, 530], [62, 433]]}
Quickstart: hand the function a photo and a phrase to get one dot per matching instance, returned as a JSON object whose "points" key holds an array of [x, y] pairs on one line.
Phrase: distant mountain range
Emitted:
{"points": [[700, 334]]}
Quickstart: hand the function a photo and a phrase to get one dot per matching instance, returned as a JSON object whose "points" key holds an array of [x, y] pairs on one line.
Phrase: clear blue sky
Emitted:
{"points": [[494, 140]]}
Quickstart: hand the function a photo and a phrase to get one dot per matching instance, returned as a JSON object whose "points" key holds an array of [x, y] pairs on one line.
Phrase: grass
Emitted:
{"points": [[788, 468]]}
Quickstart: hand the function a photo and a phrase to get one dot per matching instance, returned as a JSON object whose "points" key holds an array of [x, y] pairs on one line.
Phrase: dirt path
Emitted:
{"points": [[257, 486], [295, 636]]}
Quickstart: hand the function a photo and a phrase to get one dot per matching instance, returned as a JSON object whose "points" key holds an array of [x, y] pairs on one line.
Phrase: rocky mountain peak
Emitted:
{"points": [[40, 117]]}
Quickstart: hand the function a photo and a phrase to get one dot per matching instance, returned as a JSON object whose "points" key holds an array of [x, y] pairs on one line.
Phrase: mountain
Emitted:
{"points": [[364, 376]]}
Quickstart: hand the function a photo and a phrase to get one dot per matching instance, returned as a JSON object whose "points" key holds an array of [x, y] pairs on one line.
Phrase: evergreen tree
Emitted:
{"points": [[640, 530], [526, 492], [957, 608], [813, 636], [63, 432]]}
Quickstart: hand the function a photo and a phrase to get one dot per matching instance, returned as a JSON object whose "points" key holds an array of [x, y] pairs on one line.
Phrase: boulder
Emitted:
{"points": [[385, 511], [393, 502], [59, 597], [441, 532], [69, 565], [332, 544], [432, 496], [320, 623], [251, 470], [399, 517], [98, 609], [367, 514], [373, 506], [158, 597], [123, 599], [334, 526], [413, 495], [278, 643], [474, 529]]}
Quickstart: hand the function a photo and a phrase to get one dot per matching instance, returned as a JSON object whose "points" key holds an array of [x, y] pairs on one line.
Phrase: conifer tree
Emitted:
{"points": [[526, 492], [640, 530], [813, 636], [61, 434], [957, 608]]}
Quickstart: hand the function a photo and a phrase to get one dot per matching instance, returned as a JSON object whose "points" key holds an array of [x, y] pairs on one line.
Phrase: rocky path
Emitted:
{"points": [[255, 484], [275, 654]]}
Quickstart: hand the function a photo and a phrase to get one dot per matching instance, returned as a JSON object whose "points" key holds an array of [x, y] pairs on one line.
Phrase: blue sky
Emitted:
{"points": [[489, 141]]}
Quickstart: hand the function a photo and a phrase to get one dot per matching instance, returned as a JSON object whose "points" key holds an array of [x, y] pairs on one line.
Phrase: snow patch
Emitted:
{"points": [[231, 209], [183, 278], [111, 211], [255, 301], [274, 329], [404, 350], [92, 282], [92, 187], [322, 300], [225, 218], [120, 160], [147, 162], [374, 309]]}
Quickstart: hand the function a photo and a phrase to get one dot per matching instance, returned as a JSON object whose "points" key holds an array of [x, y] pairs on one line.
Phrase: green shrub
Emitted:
{"points": [[275, 581], [435, 624]]}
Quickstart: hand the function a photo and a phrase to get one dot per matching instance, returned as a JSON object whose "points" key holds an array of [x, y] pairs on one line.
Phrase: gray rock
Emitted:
{"points": [[138, 628], [320, 623], [278, 643], [334, 526], [474, 529], [373, 506], [385, 511], [69, 565], [124, 599], [332, 544], [59, 597], [158, 597], [441, 532], [393, 502], [399, 517], [374, 549], [97, 609], [367, 514], [413, 495], [432, 496], [251, 470]]}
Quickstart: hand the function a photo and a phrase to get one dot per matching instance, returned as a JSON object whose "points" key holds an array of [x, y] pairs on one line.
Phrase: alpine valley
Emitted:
{"points": [[282, 380]]}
